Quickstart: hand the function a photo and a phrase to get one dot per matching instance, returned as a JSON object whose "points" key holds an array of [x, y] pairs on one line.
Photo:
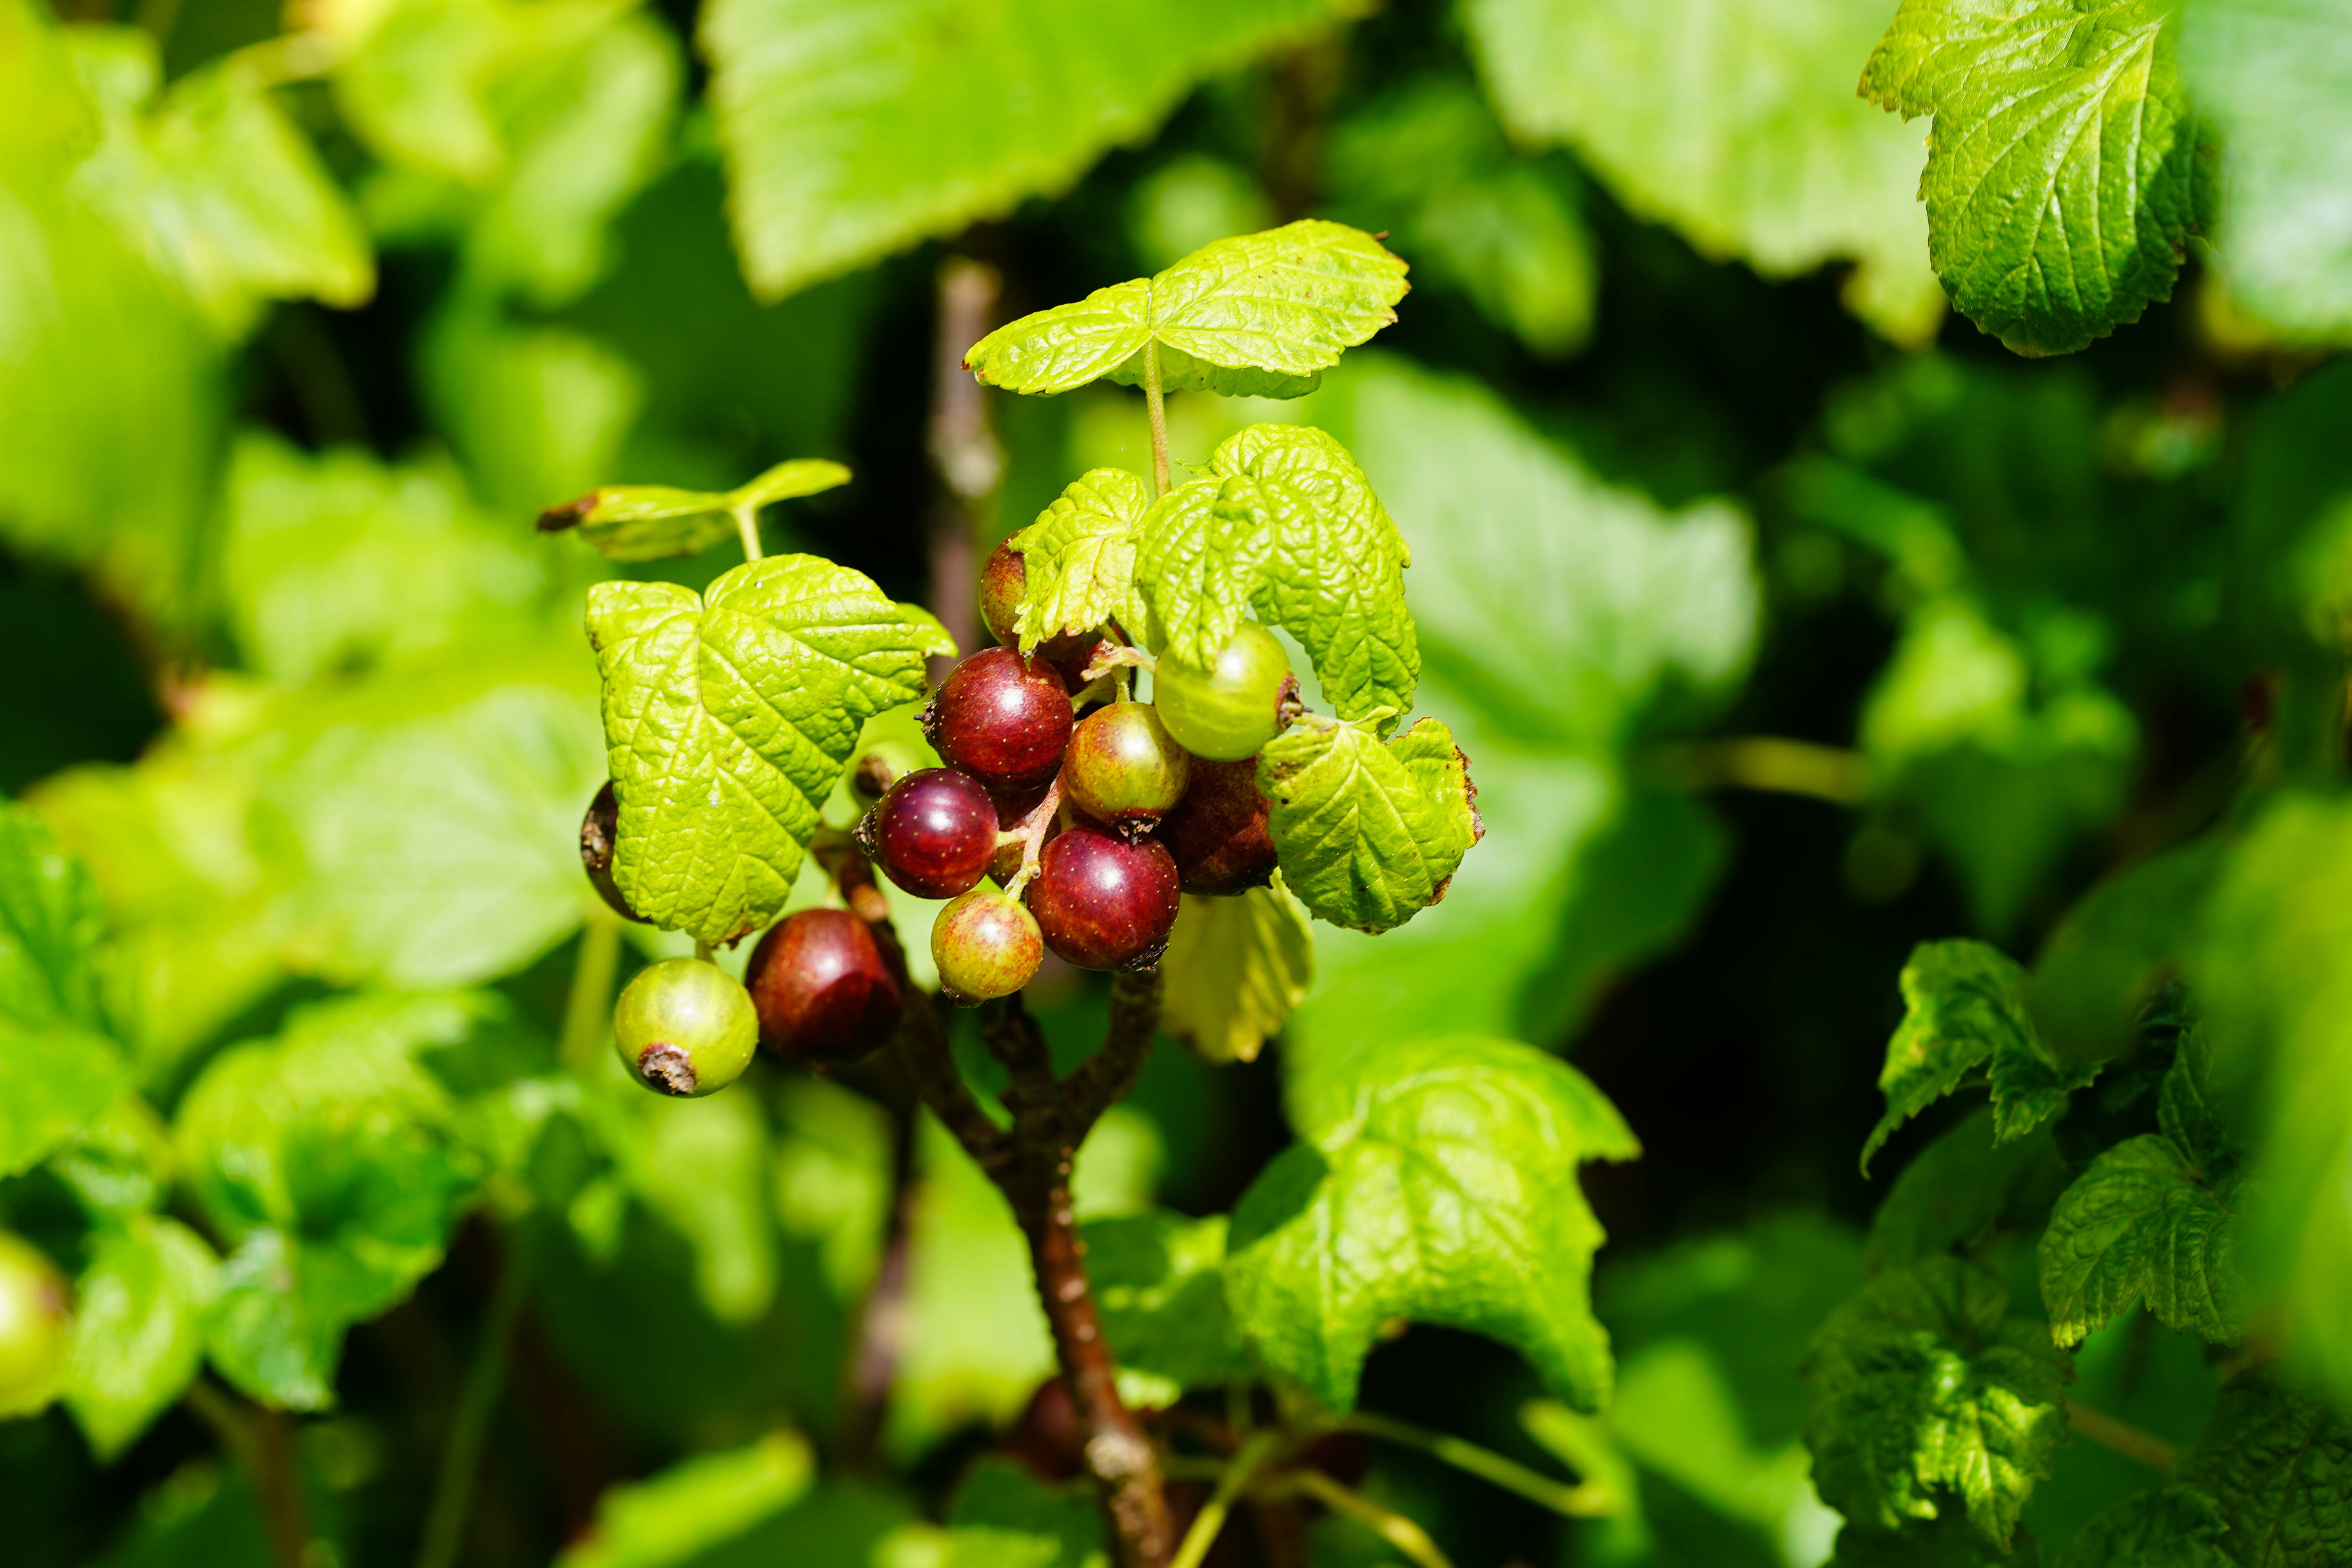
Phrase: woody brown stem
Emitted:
{"points": [[1032, 1166], [964, 450]]}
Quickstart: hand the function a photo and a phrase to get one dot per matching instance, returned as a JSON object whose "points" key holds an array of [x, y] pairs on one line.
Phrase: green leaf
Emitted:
{"points": [[1258, 315], [1925, 1381], [1965, 1020], [51, 925], [2168, 1527], [1233, 970], [695, 1505], [336, 563], [2279, 1462], [139, 1328], [1285, 526], [730, 715], [2131, 934], [851, 134], [2062, 176], [1369, 831], [329, 1157], [1958, 1189], [215, 187], [1160, 1282], [2276, 79], [2153, 1219], [1079, 557], [1938, 1544], [1004, 1517], [647, 523], [1734, 123], [1437, 1182]]}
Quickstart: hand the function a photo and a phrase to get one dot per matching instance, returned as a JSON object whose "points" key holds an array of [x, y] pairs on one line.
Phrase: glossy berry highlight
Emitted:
{"points": [[985, 945], [684, 1027], [1004, 719], [933, 834], [1123, 768], [600, 834], [35, 1323], [824, 991], [1233, 707], [1217, 834], [1103, 902]]}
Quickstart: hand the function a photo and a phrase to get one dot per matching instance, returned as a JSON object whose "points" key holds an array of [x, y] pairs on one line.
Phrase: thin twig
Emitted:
{"points": [[923, 1044], [1390, 1525], [1574, 1502], [747, 529], [1155, 405], [1111, 1071], [964, 450], [461, 1456], [588, 1008], [262, 1443], [1768, 762], [2122, 1438], [1238, 1471]]}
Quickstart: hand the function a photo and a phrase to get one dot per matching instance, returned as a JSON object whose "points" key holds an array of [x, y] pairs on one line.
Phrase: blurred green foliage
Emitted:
{"points": [[1787, 618]]}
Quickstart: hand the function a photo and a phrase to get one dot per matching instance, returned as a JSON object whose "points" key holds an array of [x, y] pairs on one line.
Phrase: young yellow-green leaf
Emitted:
{"points": [[2276, 78], [1079, 556], [1285, 527], [1160, 1282], [2062, 175], [138, 1327], [2156, 1218], [853, 131], [1369, 831], [1924, 1382], [1444, 1192], [1233, 970], [215, 187], [58, 1069], [2165, 1527], [696, 1505], [730, 716], [2279, 1462], [1258, 315], [1965, 1020], [647, 523]]}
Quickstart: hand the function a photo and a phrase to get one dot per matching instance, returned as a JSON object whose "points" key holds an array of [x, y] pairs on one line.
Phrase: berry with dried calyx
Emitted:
{"points": [[600, 834], [986, 945], [1217, 833], [1103, 902], [934, 834], [881, 765], [35, 1325], [684, 1026], [1123, 768], [824, 990], [1004, 719], [1230, 709]]}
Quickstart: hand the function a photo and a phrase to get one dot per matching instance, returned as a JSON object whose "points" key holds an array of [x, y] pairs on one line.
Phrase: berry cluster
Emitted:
{"points": [[1068, 817]]}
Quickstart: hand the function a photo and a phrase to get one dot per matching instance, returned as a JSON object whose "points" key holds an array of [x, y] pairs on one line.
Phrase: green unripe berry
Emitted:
{"points": [[986, 945], [33, 1327], [1231, 710], [684, 1026], [1123, 768]]}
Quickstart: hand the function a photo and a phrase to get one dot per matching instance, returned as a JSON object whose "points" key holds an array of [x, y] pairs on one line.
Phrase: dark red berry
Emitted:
{"points": [[824, 991], [1217, 833], [933, 833], [1049, 1437], [600, 832], [1004, 719], [1103, 902]]}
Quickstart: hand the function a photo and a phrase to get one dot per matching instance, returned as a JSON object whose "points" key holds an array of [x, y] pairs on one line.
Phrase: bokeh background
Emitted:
{"points": [[1786, 620]]}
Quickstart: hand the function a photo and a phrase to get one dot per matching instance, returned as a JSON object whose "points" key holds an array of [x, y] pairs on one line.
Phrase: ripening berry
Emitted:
{"points": [[1001, 583], [824, 991], [684, 1026], [33, 1327], [599, 831], [986, 945], [1002, 719], [1122, 768], [1231, 710], [1217, 833], [1103, 902], [933, 834]]}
